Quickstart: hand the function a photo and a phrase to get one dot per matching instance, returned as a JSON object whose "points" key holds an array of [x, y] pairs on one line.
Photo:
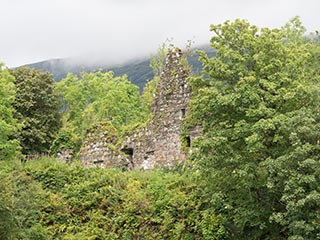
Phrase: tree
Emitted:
{"points": [[96, 97], [257, 102], [9, 147], [37, 109]]}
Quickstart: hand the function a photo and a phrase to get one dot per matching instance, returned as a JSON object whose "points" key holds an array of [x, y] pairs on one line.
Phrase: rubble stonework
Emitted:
{"points": [[99, 148], [159, 142]]}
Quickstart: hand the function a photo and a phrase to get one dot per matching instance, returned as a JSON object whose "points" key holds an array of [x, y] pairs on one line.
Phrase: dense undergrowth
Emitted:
{"points": [[46, 199]]}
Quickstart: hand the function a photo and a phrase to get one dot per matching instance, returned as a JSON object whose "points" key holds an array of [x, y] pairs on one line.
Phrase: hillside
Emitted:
{"points": [[138, 70]]}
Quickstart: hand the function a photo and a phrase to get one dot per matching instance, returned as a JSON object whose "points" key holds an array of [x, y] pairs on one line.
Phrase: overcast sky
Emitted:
{"points": [[114, 30]]}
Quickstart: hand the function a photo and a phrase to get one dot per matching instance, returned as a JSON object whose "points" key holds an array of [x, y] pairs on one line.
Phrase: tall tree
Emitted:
{"points": [[96, 97], [257, 101], [9, 147], [37, 109]]}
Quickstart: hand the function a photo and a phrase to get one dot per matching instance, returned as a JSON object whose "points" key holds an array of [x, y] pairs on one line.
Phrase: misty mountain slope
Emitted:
{"points": [[138, 70]]}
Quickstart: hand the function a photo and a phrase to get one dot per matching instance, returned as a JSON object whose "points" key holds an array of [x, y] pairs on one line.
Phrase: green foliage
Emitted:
{"points": [[9, 148], [65, 140], [97, 97], [21, 203], [6, 221], [157, 64], [74, 202], [149, 91], [36, 108], [257, 103]]}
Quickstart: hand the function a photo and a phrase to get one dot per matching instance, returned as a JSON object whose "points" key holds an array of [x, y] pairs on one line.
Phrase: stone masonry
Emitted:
{"points": [[159, 142]]}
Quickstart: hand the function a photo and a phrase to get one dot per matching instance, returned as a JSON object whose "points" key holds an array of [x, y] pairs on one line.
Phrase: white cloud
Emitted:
{"points": [[114, 30]]}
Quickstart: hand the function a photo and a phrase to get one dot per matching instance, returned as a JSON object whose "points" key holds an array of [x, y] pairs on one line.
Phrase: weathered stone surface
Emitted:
{"points": [[65, 155], [159, 142]]}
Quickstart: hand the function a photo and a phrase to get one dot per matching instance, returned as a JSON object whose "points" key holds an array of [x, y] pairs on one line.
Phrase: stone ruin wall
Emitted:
{"points": [[99, 148], [159, 142]]}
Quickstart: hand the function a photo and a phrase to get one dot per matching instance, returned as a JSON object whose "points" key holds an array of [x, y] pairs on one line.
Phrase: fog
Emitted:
{"points": [[113, 31]]}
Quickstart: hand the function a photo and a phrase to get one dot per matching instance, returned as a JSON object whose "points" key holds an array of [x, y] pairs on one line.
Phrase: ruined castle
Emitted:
{"points": [[160, 142]]}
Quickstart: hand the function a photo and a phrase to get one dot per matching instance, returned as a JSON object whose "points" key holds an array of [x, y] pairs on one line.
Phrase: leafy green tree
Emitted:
{"points": [[96, 97], [257, 101], [9, 147], [37, 109]]}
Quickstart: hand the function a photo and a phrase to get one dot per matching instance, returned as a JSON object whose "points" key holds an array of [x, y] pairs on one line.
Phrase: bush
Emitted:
{"points": [[73, 202]]}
